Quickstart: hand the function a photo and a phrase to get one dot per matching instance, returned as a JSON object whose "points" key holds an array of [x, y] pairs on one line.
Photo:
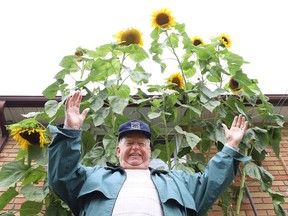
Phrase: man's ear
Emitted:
{"points": [[118, 150]]}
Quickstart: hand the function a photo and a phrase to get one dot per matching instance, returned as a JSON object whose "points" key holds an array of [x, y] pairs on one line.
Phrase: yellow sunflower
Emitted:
{"points": [[197, 41], [177, 79], [162, 18], [28, 132], [130, 36], [225, 40], [234, 86]]}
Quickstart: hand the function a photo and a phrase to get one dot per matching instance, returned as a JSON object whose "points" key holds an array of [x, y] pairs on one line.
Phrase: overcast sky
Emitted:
{"points": [[36, 34]]}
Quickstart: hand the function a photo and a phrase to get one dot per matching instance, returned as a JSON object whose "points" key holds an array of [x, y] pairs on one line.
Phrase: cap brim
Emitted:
{"points": [[147, 134]]}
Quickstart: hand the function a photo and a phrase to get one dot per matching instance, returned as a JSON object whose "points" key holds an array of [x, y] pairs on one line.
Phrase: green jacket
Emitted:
{"points": [[93, 190]]}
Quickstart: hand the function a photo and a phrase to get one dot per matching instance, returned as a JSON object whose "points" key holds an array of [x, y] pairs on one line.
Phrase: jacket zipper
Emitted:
{"points": [[158, 194]]}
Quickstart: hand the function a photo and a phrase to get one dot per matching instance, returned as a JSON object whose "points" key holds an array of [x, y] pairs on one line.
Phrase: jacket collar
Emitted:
{"points": [[113, 168]]}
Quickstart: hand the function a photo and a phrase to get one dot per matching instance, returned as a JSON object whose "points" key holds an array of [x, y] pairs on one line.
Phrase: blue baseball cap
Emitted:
{"points": [[134, 126]]}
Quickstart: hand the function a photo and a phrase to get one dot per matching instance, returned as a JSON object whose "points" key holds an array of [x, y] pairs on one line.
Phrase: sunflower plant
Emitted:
{"points": [[26, 175], [208, 78]]}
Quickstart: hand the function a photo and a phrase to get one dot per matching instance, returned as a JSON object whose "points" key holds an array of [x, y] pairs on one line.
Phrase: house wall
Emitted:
{"points": [[262, 201]]}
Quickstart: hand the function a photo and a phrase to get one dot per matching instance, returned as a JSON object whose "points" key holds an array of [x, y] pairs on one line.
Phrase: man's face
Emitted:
{"points": [[134, 151]]}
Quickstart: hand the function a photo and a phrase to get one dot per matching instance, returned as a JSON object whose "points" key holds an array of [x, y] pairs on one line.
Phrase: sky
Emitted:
{"points": [[37, 34]]}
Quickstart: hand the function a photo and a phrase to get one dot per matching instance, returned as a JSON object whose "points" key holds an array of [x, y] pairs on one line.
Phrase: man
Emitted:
{"points": [[133, 188]]}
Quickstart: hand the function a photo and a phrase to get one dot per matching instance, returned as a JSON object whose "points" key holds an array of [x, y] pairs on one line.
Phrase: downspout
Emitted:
{"points": [[4, 131]]}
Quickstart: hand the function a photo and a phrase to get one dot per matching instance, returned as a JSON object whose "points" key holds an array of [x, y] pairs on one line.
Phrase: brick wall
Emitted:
{"points": [[262, 201]]}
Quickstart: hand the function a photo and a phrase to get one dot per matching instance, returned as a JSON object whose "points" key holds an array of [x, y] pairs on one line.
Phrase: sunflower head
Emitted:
{"points": [[130, 36], [28, 132], [234, 86], [162, 18], [176, 78], [79, 53], [198, 41], [225, 40]]}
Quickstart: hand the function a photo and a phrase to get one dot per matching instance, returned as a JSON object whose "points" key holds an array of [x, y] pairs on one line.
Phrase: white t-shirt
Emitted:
{"points": [[138, 196]]}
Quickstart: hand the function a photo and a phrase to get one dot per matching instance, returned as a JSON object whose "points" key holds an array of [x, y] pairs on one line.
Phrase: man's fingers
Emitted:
{"points": [[85, 112]]}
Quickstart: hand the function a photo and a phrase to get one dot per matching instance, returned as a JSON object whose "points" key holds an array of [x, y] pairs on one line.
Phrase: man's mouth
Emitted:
{"points": [[135, 154]]}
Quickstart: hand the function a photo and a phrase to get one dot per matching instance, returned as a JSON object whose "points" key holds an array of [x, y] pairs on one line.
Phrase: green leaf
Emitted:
{"points": [[88, 141], [211, 105], [11, 173], [30, 208], [118, 104], [56, 209], [69, 63], [191, 138], [203, 54], [110, 143], [261, 174], [99, 117], [123, 91], [33, 193], [51, 91], [51, 107], [7, 196], [136, 53], [95, 157], [35, 175], [275, 135], [38, 154], [138, 77], [153, 115], [261, 139], [164, 155]]}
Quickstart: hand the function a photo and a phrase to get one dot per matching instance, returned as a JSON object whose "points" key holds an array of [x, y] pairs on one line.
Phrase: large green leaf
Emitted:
{"points": [[258, 172], [51, 107], [69, 63], [11, 173], [99, 117], [56, 209], [88, 141], [136, 53], [33, 193], [7, 196], [191, 138], [38, 154], [30, 208], [118, 104], [275, 134], [35, 175]]}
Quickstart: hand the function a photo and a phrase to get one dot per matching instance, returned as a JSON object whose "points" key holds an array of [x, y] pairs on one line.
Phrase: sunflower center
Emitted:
{"points": [[197, 42], [131, 37], [176, 81], [234, 85], [225, 40], [33, 137], [162, 19]]}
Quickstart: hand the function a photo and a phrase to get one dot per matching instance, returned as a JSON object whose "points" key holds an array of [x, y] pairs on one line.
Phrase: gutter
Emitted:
{"points": [[277, 100]]}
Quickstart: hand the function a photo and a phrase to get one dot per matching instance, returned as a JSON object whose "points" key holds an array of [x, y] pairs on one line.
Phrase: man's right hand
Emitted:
{"points": [[73, 118]]}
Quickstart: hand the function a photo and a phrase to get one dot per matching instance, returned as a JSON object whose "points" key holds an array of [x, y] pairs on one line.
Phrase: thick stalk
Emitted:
{"points": [[241, 191], [166, 135]]}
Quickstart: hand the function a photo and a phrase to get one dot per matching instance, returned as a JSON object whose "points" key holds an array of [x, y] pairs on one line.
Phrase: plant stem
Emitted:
{"points": [[166, 135], [241, 191], [178, 60]]}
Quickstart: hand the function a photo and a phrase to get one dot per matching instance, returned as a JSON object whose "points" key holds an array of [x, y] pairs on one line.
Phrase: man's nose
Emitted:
{"points": [[135, 146]]}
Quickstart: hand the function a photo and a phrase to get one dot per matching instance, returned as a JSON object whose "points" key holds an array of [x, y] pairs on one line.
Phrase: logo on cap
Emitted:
{"points": [[135, 125]]}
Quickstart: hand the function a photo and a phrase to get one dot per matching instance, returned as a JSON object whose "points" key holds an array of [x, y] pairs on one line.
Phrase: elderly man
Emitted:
{"points": [[133, 188]]}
